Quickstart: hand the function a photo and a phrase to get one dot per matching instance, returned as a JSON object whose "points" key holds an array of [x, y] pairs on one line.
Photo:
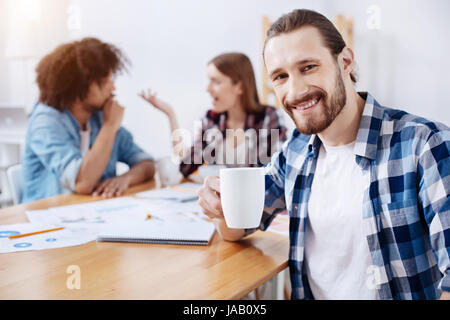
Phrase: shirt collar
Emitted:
{"points": [[368, 132]]}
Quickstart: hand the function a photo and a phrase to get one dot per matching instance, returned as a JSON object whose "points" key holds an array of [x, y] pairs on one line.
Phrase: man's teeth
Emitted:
{"points": [[309, 105]]}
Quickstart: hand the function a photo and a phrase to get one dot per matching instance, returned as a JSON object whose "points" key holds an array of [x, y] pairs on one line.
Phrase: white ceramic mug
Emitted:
{"points": [[242, 192]]}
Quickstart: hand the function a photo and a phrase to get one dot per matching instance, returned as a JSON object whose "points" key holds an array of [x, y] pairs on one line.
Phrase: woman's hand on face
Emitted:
{"points": [[159, 104]]}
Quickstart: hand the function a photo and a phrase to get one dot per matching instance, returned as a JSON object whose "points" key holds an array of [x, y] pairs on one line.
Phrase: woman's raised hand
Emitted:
{"points": [[159, 104]]}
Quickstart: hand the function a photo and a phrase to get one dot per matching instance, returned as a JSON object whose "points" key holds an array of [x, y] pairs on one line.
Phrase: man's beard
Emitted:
{"points": [[316, 124]]}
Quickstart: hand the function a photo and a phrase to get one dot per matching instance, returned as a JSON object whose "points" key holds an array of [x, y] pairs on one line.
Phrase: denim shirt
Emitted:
{"points": [[406, 208], [52, 155]]}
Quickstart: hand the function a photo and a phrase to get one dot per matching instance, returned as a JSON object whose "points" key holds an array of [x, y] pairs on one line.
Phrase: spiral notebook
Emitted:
{"points": [[199, 233]]}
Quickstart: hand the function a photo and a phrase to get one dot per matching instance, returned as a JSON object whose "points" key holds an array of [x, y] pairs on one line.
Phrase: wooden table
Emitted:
{"points": [[222, 270]]}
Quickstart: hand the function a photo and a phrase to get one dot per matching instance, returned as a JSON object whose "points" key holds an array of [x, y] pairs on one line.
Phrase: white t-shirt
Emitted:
{"points": [[337, 256], [85, 136]]}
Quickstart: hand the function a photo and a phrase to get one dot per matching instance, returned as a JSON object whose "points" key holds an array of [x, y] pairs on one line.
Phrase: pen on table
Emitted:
{"points": [[33, 233], [149, 216]]}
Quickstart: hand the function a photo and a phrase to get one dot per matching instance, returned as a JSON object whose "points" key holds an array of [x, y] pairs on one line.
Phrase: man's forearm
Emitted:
{"points": [[96, 160], [228, 233], [141, 172], [445, 295]]}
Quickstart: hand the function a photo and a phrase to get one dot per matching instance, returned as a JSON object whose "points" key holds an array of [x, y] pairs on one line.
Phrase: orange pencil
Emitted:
{"points": [[32, 233]]}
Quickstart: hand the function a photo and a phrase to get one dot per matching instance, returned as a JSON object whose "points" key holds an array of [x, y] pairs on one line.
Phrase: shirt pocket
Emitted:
{"points": [[404, 237], [399, 214]]}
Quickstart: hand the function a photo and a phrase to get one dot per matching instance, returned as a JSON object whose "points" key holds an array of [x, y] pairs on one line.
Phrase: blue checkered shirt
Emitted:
{"points": [[406, 208]]}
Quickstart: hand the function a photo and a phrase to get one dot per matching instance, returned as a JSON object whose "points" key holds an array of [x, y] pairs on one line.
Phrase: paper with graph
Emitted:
{"points": [[75, 235]]}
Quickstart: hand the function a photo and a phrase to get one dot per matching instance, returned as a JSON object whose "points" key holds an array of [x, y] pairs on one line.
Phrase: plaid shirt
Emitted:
{"points": [[263, 122], [406, 208]]}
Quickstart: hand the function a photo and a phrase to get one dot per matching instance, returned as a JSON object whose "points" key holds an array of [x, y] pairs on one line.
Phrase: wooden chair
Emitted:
{"points": [[345, 26]]}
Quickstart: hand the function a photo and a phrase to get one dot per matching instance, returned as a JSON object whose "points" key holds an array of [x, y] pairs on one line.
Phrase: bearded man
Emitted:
{"points": [[366, 187]]}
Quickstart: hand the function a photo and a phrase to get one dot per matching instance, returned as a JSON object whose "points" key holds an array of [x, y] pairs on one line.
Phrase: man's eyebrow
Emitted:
{"points": [[307, 60], [301, 62], [277, 70]]}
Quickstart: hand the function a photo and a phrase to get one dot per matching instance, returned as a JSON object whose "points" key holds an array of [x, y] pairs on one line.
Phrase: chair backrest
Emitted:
{"points": [[14, 174]]}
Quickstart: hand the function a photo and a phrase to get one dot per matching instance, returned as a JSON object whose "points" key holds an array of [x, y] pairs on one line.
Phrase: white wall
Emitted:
{"points": [[403, 63], [28, 30], [3, 62], [170, 44]]}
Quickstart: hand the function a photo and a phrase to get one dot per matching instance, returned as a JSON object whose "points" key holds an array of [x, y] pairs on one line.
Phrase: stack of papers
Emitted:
{"points": [[154, 209]]}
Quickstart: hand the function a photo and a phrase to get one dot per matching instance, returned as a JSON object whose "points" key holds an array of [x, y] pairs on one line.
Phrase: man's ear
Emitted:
{"points": [[346, 60]]}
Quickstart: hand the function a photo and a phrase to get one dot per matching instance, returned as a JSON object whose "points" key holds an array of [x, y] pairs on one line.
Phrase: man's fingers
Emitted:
{"points": [[121, 189], [115, 187], [99, 189], [213, 183], [210, 199], [110, 189], [106, 187], [208, 210]]}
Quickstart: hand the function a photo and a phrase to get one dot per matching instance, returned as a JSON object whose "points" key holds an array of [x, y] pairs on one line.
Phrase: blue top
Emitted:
{"points": [[406, 208], [52, 155]]}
